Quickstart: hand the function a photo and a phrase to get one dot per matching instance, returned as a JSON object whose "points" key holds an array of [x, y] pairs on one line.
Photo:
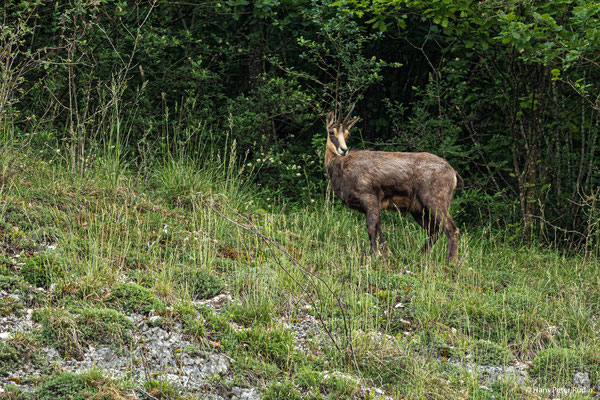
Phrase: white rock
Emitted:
{"points": [[581, 380]]}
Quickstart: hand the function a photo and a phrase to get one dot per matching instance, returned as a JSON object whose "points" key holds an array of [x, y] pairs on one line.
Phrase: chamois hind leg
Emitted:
{"points": [[373, 220], [442, 218], [431, 227], [452, 232]]}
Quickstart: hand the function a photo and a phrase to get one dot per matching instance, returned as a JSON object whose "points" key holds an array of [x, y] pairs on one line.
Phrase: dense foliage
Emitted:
{"points": [[506, 91]]}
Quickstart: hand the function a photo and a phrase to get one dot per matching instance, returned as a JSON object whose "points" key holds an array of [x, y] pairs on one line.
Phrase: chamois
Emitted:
{"points": [[371, 181]]}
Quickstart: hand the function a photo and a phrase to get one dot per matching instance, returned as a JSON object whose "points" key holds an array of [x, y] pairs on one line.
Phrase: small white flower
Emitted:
{"points": [[298, 174]]}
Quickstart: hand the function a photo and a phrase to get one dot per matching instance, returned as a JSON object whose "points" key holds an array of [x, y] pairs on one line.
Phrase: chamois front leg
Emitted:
{"points": [[373, 221], [382, 242]]}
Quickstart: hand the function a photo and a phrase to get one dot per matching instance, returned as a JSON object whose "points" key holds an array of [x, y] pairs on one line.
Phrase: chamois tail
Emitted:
{"points": [[460, 184]]}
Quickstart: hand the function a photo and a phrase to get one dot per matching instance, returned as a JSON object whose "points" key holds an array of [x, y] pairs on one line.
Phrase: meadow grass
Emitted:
{"points": [[111, 242]]}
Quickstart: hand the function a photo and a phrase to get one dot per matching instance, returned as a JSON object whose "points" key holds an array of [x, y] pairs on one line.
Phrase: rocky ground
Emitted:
{"points": [[157, 353], [161, 351], [164, 353]]}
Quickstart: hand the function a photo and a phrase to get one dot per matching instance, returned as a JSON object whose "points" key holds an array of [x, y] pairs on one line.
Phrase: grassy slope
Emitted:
{"points": [[499, 305]]}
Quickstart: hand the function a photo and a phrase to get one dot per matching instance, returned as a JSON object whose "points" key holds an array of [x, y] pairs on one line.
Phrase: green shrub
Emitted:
{"points": [[72, 331], [281, 391], [557, 365], [12, 284], [489, 353], [165, 390], [132, 298], [40, 270], [434, 345], [253, 309], [104, 326], [340, 386], [308, 378], [7, 265], [9, 358], [21, 295], [17, 351], [201, 284], [206, 325], [46, 234], [92, 384], [64, 386], [276, 345], [385, 371]]}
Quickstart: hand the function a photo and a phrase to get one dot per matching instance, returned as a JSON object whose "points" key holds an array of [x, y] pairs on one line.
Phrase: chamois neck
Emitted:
{"points": [[330, 157]]}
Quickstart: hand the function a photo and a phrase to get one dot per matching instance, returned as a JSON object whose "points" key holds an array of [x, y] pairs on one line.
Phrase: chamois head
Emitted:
{"points": [[337, 131]]}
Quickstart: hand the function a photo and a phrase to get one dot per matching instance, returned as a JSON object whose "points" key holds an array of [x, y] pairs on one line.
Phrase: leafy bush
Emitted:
{"points": [[9, 358], [340, 386], [253, 309], [6, 265]]}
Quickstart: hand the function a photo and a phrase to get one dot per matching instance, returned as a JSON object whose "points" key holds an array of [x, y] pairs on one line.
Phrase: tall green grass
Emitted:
{"points": [[398, 322]]}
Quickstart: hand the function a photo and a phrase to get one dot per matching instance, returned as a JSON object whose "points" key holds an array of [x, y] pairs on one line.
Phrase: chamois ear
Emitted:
{"points": [[329, 120], [352, 123]]}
